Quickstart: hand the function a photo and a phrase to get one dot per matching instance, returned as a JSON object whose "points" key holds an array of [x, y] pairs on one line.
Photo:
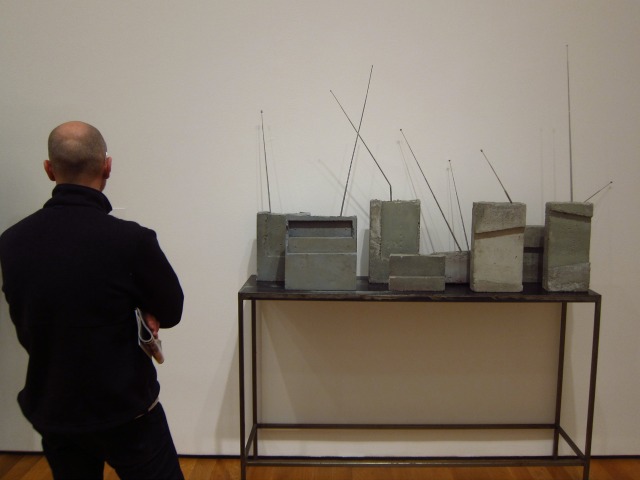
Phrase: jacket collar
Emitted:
{"points": [[68, 194]]}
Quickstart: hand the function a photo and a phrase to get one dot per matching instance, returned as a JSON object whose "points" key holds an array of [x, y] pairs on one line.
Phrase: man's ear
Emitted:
{"points": [[48, 167], [106, 172]]}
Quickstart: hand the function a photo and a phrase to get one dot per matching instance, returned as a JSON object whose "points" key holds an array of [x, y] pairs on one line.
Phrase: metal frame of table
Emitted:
{"points": [[254, 291]]}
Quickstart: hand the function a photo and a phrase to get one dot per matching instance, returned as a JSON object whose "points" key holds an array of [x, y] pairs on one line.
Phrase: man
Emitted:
{"points": [[73, 276]]}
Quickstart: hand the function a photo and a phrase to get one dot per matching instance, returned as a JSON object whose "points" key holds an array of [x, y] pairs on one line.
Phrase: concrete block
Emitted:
{"points": [[320, 271], [416, 272], [321, 253], [456, 266], [567, 242], [270, 246], [416, 284], [497, 247], [533, 251], [416, 265], [394, 227]]}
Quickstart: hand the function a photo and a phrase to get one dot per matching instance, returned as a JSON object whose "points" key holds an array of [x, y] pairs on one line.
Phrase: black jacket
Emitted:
{"points": [[72, 276]]}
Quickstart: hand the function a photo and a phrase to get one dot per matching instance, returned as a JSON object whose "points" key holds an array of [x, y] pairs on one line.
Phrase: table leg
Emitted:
{"points": [[592, 388], [561, 349], [243, 452], [254, 376]]}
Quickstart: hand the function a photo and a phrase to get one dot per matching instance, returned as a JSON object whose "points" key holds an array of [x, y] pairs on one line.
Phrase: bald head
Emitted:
{"points": [[77, 154]]}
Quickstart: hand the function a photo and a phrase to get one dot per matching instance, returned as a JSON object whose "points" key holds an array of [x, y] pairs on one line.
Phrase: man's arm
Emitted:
{"points": [[161, 295]]}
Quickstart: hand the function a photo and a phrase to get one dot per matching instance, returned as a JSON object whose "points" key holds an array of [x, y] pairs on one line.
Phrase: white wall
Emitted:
{"points": [[177, 89]]}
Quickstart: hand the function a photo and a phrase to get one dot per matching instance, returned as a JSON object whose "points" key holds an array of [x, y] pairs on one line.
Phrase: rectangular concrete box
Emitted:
{"points": [[497, 247], [567, 241], [394, 227], [270, 240], [321, 253], [533, 249], [416, 272]]}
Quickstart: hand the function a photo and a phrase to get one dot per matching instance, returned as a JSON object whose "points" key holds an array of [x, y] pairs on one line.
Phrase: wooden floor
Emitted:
{"points": [[34, 467]]}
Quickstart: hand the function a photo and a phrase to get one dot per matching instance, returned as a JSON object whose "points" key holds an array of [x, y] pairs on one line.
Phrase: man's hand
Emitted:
{"points": [[152, 323]]}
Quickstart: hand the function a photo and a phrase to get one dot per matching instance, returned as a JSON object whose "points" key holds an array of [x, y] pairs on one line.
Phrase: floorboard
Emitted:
{"points": [[35, 467]]}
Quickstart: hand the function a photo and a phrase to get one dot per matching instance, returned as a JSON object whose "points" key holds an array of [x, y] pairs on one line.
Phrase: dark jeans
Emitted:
{"points": [[139, 450]]}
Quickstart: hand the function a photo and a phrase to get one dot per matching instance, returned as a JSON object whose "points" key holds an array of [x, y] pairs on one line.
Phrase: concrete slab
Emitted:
{"points": [[416, 284], [567, 244], [416, 265], [320, 271], [497, 247], [416, 272]]}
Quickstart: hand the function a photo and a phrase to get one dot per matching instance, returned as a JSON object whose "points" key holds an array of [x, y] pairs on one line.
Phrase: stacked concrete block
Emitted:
{"points": [[416, 272], [394, 228], [533, 249], [321, 253], [497, 245], [567, 240]]}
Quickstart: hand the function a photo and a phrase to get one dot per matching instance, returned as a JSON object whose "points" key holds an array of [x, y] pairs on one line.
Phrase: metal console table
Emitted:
{"points": [[254, 291]]}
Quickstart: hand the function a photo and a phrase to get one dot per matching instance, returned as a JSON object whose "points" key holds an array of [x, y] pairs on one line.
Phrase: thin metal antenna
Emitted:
{"points": [[494, 172], [346, 184], [611, 182], [455, 189], [266, 169], [431, 190], [365, 145], [570, 143]]}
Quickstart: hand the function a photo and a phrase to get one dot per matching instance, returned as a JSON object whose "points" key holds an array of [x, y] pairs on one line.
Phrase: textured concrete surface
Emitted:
{"points": [[416, 272], [497, 247], [394, 228], [456, 266], [270, 246], [320, 271], [567, 243], [321, 253]]}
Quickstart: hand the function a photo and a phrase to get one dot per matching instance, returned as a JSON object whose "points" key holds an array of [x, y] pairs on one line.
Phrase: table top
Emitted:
{"points": [[367, 292]]}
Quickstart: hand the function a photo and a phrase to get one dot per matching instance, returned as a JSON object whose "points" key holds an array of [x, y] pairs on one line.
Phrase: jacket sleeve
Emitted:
{"points": [[158, 284]]}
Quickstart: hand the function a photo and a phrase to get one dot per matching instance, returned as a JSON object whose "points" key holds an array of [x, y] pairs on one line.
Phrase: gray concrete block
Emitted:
{"points": [[533, 253], [456, 266], [416, 265], [394, 227], [491, 217], [416, 284], [568, 278], [321, 253], [567, 244], [497, 247], [320, 271], [270, 246], [416, 272]]}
